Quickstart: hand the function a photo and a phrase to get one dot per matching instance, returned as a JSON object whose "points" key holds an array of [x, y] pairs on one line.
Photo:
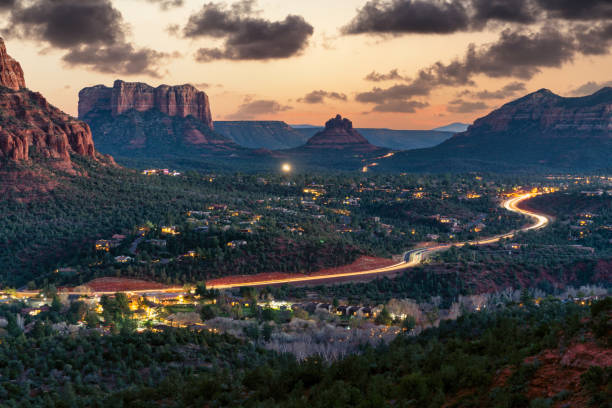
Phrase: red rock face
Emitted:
{"points": [[553, 114], [11, 74], [181, 100], [30, 126], [339, 134]]}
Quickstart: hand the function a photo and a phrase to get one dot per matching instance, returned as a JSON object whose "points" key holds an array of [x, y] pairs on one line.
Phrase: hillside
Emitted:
{"points": [[273, 135], [540, 131]]}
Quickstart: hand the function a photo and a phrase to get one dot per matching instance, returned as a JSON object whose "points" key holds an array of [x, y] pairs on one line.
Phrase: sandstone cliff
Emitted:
{"points": [[32, 128], [339, 135], [540, 131], [11, 74], [180, 100]]}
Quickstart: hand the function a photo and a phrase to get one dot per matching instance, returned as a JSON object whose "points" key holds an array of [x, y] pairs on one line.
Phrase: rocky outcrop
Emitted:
{"points": [[32, 128], [11, 74], [538, 132], [180, 100], [552, 115], [339, 135]]}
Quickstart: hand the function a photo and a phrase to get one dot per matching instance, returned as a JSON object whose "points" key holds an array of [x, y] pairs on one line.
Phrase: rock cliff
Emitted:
{"points": [[32, 128], [180, 100], [11, 74], [339, 135], [540, 131]]}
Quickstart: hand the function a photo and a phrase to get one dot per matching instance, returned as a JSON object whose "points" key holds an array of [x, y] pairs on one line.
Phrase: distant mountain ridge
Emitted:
{"points": [[273, 135], [276, 135], [541, 130], [456, 127]]}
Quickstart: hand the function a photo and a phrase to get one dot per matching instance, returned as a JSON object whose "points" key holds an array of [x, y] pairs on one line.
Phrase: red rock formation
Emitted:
{"points": [[11, 74], [552, 115], [180, 100], [30, 126], [339, 134]]}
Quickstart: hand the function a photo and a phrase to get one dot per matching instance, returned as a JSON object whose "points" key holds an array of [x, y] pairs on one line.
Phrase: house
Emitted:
{"points": [[236, 243], [169, 230], [123, 259]]}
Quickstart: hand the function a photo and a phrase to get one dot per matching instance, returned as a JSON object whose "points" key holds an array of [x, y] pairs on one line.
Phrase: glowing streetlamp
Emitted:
{"points": [[286, 168]]}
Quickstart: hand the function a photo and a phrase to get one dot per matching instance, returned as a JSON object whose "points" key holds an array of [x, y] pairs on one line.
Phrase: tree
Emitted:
{"points": [[92, 319], [384, 318]]}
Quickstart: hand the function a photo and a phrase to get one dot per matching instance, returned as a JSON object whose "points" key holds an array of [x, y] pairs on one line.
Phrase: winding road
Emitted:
{"points": [[413, 257]]}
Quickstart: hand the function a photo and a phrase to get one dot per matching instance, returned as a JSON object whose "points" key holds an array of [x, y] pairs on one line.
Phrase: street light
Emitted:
{"points": [[286, 167]]}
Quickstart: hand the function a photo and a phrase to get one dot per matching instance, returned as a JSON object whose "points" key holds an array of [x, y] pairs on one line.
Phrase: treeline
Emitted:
{"points": [[459, 362]]}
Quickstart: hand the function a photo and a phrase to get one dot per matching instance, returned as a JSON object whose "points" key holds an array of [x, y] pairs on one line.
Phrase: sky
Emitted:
{"points": [[401, 64]]}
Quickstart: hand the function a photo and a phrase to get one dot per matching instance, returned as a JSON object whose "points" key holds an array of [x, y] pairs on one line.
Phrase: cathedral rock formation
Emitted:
{"points": [[180, 100]]}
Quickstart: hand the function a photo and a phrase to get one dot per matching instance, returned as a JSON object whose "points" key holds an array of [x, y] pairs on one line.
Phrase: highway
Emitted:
{"points": [[411, 258]]}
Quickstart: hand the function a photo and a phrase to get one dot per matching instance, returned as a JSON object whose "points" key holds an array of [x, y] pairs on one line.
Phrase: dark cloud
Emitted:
{"points": [[516, 54], [577, 9], [450, 16], [461, 106], [69, 23], [167, 4], [246, 36], [589, 88], [594, 39], [7, 4], [515, 11], [400, 106], [91, 31], [253, 108], [320, 96], [507, 91], [378, 77], [409, 16], [121, 58]]}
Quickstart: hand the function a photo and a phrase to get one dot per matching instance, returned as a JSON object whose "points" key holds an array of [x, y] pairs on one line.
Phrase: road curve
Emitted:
{"points": [[411, 258]]}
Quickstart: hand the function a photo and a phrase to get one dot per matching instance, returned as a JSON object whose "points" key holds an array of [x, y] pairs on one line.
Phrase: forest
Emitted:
{"points": [[457, 363]]}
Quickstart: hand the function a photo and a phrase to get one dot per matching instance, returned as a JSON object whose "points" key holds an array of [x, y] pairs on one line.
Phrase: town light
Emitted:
{"points": [[286, 167]]}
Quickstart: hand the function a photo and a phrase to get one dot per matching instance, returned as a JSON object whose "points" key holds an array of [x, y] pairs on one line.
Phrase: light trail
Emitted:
{"points": [[411, 258]]}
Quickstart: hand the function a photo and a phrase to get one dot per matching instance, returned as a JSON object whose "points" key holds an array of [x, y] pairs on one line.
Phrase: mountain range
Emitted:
{"points": [[541, 131]]}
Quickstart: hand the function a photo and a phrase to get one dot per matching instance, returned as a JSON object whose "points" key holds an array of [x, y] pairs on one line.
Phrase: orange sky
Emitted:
{"points": [[332, 62]]}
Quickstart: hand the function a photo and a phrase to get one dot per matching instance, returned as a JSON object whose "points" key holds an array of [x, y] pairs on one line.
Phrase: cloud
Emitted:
{"points": [[461, 106], [400, 106], [515, 54], [589, 88], [167, 4], [91, 31], [7, 4], [507, 91], [594, 39], [409, 16], [121, 58], [246, 36], [253, 108], [450, 16], [577, 9], [378, 77], [320, 96], [515, 11]]}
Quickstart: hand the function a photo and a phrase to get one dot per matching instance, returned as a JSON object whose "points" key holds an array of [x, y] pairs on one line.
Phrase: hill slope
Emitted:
{"points": [[267, 134], [540, 131]]}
